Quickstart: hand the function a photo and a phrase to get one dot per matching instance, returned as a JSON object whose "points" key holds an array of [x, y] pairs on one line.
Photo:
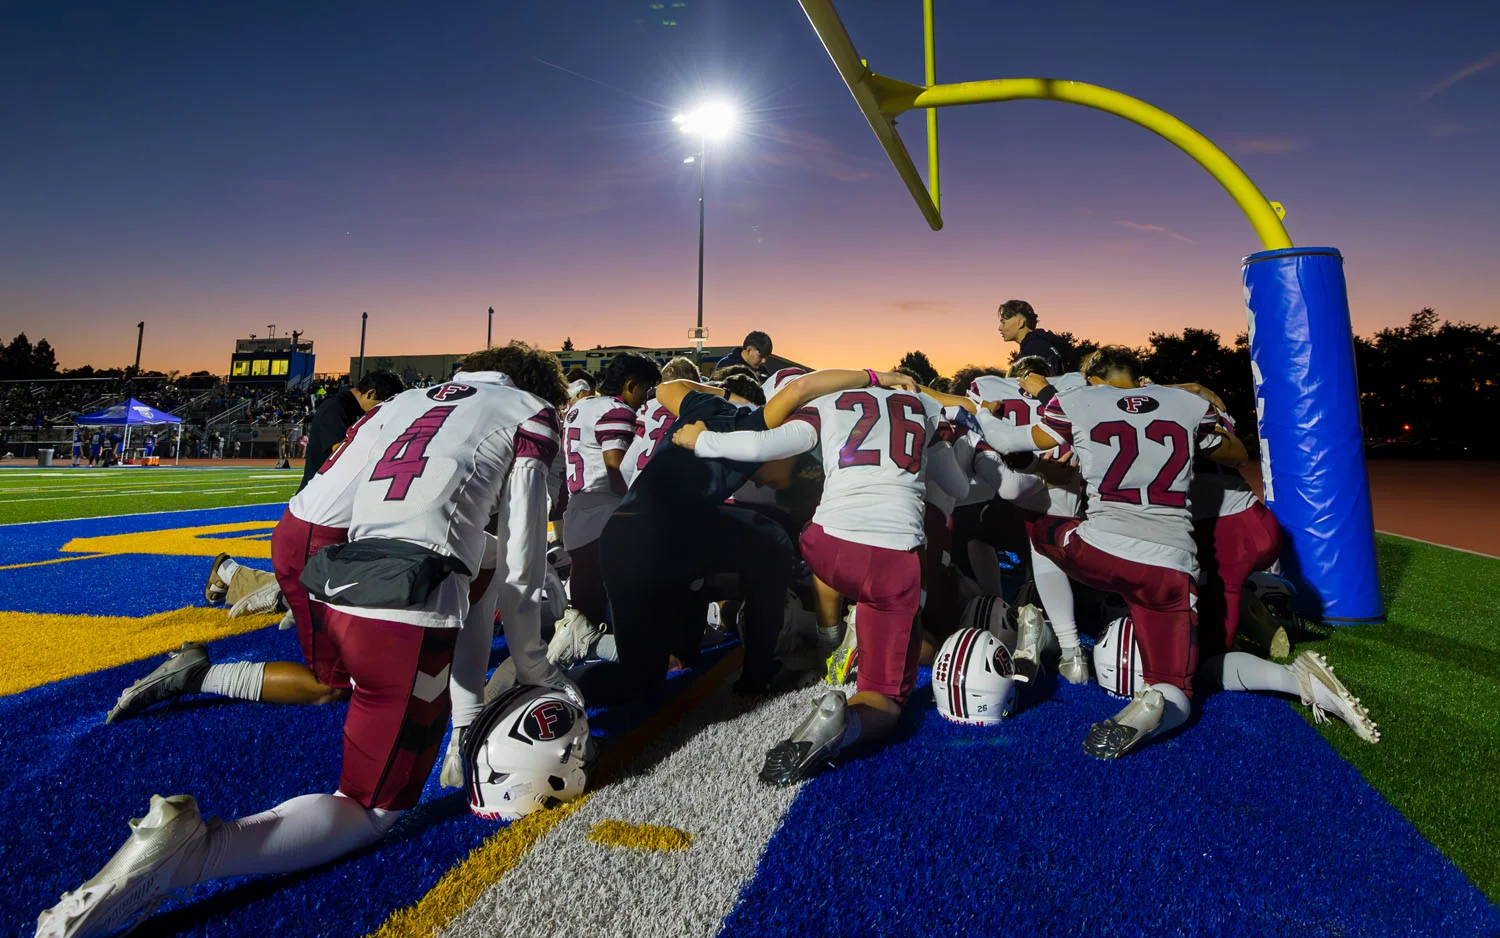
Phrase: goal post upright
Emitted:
{"points": [[1307, 401]]}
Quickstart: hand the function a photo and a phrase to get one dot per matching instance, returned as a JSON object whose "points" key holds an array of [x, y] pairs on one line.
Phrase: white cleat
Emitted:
{"points": [[136, 878], [265, 600], [573, 640], [1031, 638], [1127, 729], [452, 775], [1326, 694], [1074, 666]]}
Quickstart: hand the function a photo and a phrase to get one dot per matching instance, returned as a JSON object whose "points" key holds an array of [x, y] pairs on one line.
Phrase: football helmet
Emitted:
{"points": [[991, 614], [1272, 590], [973, 678], [1117, 659], [528, 749]]}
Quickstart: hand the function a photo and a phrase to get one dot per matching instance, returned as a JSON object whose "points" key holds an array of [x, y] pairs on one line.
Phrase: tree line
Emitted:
{"points": [[1422, 386]]}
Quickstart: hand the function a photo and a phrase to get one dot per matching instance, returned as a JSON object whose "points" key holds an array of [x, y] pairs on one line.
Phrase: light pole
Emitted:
{"points": [[489, 330], [364, 319], [706, 122]]}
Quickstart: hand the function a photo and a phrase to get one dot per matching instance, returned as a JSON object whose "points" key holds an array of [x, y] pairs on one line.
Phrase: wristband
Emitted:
{"points": [[873, 380], [1046, 394]]}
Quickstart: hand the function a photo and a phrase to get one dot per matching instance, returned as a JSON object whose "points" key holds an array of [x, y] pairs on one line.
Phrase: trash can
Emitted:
{"points": [[44, 456]]}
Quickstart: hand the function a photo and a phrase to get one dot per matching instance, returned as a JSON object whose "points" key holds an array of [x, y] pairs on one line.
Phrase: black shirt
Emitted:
{"points": [[677, 479], [737, 357], [1045, 345], [330, 423]]}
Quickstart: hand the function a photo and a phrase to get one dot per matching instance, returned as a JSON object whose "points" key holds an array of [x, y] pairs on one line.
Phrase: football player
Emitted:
{"points": [[450, 462], [652, 419], [863, 541], [1135, 447], [596, 433], [77, 447]]}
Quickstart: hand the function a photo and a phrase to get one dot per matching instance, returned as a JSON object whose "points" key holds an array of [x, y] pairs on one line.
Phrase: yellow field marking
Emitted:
{"points": [[639, 836], [39, 648], [180, 542], [463, 884], [43, 563]]}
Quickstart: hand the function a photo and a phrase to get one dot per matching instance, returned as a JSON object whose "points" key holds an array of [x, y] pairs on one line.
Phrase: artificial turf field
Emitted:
{"points": [[1250, 822]]}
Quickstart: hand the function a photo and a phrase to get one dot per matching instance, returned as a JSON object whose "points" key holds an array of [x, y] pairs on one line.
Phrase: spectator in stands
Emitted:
{"points": [[337, 414], [1018, 324], [752, 353]]}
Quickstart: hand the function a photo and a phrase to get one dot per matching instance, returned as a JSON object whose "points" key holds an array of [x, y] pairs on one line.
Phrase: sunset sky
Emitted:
{"points": [[215, 168]]}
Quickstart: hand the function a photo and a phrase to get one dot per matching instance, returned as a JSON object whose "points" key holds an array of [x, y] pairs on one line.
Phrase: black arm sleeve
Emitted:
{"points": [[327, 430]]}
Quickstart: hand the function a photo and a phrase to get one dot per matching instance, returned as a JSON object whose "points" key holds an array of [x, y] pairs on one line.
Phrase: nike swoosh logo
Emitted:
{"points": [[329, 590]]}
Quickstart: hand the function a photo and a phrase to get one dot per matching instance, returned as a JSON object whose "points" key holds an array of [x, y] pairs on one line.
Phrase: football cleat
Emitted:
{"points": [[1031, 639], [1326, 694], [812, 745], [182, 673], [574, 638], [216, 589], [1074, 666], [265, 600], [288, 621], [129, 887], [452, 775], [1127, 729], [845, 658]]}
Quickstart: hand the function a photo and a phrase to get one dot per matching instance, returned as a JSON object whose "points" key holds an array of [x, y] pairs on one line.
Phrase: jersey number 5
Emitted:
{"points": [[908, 437], [406, 458]]}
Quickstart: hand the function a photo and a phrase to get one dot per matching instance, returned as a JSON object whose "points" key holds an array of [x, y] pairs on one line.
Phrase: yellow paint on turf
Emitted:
{"points": [[41, 648], [202, 541], [639, 836], [43, 563], [463, 884]]}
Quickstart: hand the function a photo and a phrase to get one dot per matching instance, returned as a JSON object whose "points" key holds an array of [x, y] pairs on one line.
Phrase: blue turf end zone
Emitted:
{"points": [[1245, 824]]}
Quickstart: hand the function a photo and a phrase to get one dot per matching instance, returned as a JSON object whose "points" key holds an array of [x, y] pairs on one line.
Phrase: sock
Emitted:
{"points": [[226, 570], [605, 649], [1055, 591], [828, 638], [1238, 671], [851, 729], [306, 831], [238, 679], [986, 565], [1177, 711]]}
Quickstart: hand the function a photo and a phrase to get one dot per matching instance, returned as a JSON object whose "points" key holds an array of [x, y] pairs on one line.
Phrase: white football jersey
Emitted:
{"points": [[651, 424], [1136, 448], [593, 426], [438, 470], [328, 497], [1023, 410], [874, 445]]}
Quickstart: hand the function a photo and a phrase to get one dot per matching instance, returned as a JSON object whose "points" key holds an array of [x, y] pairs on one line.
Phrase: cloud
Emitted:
{"points": [[919, 306], [812, 153], [1154, 229], [1243, 144], [1455, 128], [1468, 71]]}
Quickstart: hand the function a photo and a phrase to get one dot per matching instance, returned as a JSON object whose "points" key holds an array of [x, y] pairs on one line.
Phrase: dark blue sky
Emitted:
{"points": [[214, 168]]}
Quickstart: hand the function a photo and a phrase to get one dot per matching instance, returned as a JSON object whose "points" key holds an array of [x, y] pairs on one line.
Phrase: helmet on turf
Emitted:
{"points": [[1272, 590], [1117, 659], [991, 614], [528, 750], [971, 678]]}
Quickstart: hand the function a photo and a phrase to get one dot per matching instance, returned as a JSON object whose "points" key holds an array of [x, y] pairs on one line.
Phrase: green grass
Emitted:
{"points": [[56, 494], [1431, 678]]}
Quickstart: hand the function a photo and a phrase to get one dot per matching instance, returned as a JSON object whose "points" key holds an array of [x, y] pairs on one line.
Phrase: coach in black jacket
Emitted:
{"points": [[1018, 324], [333, 418]]}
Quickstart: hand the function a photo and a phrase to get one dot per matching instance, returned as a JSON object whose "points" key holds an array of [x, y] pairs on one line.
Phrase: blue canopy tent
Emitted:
{"points": [[133, 413]]}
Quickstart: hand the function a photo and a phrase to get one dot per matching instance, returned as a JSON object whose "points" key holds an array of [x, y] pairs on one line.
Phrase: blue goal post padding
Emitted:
{"points": [[1312, 444]]}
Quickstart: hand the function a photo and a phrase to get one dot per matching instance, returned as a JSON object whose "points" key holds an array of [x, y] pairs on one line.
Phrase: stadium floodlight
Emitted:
{"points": [[711, 120]]}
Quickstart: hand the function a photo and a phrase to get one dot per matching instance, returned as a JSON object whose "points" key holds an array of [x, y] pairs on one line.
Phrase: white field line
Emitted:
{"points": [[137, 486], [1461, 550], [133, 514]]}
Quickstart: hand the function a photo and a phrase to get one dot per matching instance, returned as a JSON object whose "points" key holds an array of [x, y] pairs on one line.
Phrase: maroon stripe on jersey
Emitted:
{"points": [[809, 416], [538, 437], [611, 434], [618, 415]]}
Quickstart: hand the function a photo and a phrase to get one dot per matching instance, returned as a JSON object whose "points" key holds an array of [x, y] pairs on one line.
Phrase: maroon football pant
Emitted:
{"points": [[1162, 601], [1230, 548], [886, 588], [398, 710], [292, 543]]}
